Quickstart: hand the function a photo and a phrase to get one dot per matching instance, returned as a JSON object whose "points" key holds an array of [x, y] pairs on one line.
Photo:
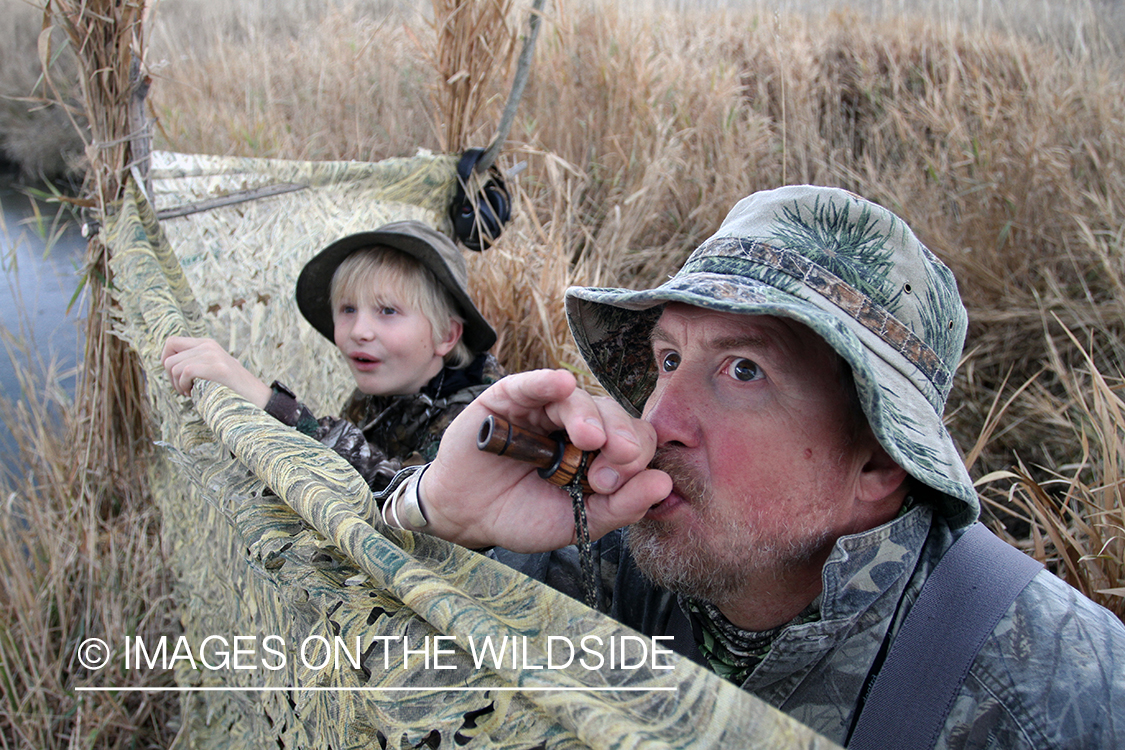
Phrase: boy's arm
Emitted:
{"points": [[188, 359], [478, 499], [342, 436]]}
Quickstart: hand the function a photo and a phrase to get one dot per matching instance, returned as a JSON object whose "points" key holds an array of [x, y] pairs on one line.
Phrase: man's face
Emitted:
{"points": [[753, 426]]}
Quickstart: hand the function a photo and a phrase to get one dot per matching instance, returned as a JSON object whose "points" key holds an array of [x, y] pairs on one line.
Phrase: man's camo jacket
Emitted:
{"points": [[1050, 675]]}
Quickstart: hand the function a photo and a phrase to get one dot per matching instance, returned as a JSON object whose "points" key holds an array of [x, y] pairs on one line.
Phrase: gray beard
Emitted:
{"points": [[684, 562], [681, 566]]}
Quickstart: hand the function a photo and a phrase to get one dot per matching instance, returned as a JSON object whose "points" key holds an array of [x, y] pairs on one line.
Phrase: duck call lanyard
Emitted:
{"points": [[561, 464], [576, 489]]}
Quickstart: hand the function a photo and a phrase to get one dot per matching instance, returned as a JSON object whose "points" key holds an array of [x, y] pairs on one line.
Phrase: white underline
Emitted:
{"points": [[377, 689]]}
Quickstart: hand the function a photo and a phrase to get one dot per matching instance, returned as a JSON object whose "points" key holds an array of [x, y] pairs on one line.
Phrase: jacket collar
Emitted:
{"points": [[449, 380], [864, 580]]}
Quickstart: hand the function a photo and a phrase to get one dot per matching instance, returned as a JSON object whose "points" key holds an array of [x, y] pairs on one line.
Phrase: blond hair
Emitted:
{"points": [[355, 279]]}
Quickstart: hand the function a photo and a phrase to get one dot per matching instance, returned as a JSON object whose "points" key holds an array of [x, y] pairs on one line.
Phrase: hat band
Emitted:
{"points": [[856, 304]]}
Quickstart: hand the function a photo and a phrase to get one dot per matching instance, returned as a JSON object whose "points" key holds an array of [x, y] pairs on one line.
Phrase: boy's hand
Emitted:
{"points": [[188, 359], [478, 499]]}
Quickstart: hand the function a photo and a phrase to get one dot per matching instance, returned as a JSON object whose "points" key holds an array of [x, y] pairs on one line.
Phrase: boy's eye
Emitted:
{"points": [[389, 311], [744, 370], [347, 309], [670, 361]]}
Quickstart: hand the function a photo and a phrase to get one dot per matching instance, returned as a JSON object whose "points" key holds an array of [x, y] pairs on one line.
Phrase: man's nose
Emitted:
{"points": [[672, 412]]}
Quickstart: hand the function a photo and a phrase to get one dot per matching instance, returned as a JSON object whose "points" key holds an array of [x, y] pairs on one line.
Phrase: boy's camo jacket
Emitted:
{"points": [[378, 435]]}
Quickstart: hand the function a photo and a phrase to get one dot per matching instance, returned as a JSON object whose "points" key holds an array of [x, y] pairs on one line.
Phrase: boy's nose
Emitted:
{"points": [[363, 328]]}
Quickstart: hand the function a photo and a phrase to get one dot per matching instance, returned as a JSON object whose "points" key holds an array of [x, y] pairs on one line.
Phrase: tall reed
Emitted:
{"points": [[81, 545], [37, 137], [112, 431], [474, 43]]}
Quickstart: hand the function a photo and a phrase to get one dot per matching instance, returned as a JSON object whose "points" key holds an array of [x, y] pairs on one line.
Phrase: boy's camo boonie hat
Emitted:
{"points": [[845, 267], [428, 246]]}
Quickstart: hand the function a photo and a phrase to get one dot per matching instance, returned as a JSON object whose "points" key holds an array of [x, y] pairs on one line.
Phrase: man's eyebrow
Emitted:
{"points": [[746, 340], [743, 341], [658, 334]]}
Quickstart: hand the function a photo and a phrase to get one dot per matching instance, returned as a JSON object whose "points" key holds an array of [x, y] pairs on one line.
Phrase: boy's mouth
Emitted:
{"points": [[362, 360]]}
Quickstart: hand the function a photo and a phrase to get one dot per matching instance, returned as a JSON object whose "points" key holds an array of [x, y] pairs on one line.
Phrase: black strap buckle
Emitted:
{"points": [[478, 222]]}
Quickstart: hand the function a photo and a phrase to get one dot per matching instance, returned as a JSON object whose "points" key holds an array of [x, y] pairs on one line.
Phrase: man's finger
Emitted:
{"points": [[629, 504]]}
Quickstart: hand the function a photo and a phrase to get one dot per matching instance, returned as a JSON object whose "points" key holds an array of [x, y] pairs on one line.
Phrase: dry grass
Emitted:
{"points": [[1075, 516], [71, 569], [641, 125], [474, 47], [36, 136]]}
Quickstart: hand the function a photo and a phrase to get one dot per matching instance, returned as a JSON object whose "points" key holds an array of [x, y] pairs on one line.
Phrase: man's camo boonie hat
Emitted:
{"points": [[848, 269]]}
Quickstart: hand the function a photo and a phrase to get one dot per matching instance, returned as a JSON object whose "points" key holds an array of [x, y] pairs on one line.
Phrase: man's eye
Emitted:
{"points": [[745, 370], [670, 362]]}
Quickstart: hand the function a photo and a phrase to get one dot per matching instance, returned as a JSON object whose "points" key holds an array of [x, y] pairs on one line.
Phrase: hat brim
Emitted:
{"points": [[612, 328], [315, 281]]}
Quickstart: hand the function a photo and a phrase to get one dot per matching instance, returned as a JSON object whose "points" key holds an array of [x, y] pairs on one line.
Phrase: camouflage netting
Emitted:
{"points": [[310, 561]]}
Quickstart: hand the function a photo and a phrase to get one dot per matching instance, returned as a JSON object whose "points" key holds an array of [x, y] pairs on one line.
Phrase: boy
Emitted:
{"points": [[394, 302]]}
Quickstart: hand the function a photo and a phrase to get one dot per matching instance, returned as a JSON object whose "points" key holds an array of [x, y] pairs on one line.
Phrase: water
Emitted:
{"points": [[38, 286]]}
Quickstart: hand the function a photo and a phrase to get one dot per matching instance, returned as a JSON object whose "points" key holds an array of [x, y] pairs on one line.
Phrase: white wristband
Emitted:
{"points": [[412, 502], [411, 505], [388, 504]]}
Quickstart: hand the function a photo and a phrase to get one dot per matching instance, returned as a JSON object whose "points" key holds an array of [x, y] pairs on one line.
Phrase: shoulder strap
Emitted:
{"points": [[971, 588]]}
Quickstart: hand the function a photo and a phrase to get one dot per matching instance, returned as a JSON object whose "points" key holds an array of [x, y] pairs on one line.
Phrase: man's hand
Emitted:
{"points": [[186, 359], [478, 499]]}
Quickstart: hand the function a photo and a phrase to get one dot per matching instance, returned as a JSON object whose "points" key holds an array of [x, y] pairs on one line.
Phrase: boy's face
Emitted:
{"points": [[388, 346]]}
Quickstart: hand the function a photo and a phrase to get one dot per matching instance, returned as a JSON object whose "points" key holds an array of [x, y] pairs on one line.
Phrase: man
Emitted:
{"points": [[777, 455]]}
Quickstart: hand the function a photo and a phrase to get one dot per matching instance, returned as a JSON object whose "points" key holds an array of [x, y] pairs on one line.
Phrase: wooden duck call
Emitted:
{"points": [[558, 460]]}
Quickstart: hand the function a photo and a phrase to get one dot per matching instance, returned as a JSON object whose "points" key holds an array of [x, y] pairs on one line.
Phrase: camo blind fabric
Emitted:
{"points": [[309, 564]]}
